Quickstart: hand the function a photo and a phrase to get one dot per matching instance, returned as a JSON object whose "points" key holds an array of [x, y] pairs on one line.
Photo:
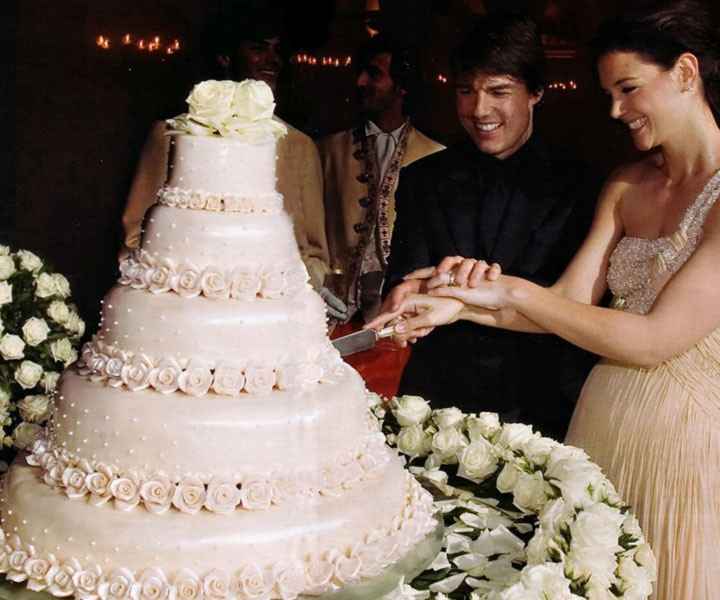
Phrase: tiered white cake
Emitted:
{"points": [[211, 443]]}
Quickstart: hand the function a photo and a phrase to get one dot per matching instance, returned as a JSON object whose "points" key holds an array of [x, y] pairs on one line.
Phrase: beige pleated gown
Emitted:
{"points": [[656, 432]]}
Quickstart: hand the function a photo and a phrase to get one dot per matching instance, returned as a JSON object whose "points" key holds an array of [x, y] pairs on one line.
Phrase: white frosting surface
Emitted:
{"points": [[213, 331], [181, 434], [219, 239], [222, 165]]}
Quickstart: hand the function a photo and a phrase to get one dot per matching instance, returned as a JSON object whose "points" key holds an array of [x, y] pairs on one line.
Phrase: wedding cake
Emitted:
{"points": [[211, 443]]}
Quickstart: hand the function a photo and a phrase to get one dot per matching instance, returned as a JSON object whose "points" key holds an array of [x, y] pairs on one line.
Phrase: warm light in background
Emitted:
{"points": [[323, 61], [104, 42]]}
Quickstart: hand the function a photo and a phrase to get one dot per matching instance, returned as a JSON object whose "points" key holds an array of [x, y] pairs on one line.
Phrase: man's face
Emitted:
{"points": [[496, 111], [376, 89], [259, 60]]}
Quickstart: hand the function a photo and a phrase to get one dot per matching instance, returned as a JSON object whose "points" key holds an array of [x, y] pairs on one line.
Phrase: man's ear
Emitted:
{"points": [[537, 96]]}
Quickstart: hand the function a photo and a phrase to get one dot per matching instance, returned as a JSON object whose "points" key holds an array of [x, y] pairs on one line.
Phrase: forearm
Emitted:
{"points": [[505, 318], [614, 334]]}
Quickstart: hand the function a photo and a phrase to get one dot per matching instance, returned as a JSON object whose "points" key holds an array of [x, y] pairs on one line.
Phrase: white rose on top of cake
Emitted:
{"points": [[210, 443]]}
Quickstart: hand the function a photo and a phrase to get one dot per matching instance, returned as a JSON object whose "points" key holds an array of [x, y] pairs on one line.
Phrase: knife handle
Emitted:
{"points": [[385, 332]]}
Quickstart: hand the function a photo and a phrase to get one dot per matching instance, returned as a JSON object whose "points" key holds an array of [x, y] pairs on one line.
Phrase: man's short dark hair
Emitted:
{"points": [[404, 68], [503, 43]]}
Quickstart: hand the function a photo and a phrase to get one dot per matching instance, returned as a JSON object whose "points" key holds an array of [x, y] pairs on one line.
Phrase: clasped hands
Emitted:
{"points": [[435, 296]]}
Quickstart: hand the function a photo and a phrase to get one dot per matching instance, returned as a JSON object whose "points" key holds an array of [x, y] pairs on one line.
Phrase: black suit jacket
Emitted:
{"points": [[529, 212]]}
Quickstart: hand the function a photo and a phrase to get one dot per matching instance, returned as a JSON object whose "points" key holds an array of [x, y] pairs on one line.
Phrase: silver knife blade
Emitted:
{"points": [[360, 340]]}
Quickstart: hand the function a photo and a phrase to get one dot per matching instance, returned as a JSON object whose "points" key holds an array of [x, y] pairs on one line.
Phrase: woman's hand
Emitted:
{"points": [[456, 271], [418, 315]]}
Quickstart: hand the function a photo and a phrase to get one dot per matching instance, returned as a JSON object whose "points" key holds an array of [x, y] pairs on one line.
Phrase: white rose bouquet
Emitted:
{"points": [[242, 110], [525, 516], [40, 332]]}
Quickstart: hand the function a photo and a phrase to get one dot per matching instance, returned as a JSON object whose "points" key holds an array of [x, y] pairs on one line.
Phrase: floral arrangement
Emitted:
{"points": [[526, 518], [40, 331], [241, 110]]}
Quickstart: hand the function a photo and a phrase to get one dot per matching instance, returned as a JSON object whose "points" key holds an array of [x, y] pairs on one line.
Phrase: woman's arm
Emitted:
{"points": [[149, 178]]}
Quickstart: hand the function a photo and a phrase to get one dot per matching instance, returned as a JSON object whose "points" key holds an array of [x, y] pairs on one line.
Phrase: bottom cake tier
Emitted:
{"points": [[70, 547]]}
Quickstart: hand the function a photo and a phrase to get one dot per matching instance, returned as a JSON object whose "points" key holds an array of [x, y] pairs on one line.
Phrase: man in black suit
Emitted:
{"points": [[501, 195]]}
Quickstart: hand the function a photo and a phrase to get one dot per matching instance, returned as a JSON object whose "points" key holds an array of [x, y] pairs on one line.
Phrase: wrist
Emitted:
{"points": [[517, 291]]}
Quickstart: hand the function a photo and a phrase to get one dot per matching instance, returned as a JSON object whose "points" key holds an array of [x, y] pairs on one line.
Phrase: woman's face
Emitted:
{"points": [[647, 98]]}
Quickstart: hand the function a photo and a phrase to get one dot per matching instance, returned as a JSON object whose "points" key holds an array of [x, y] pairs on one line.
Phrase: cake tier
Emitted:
{"points": [[222, 165], [312, 548], [220, 240], [211, 331], [282, 432]]}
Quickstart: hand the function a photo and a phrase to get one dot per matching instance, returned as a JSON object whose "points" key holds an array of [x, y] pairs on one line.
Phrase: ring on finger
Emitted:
{"points": [[451, 278]]}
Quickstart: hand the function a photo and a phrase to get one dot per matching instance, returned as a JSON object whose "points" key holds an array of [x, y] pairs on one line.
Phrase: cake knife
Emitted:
{"points": [[361, 340]]}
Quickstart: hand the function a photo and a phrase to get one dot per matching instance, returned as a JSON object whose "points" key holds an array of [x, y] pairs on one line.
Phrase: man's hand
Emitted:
{"points": [[335, 307], [456, 271]]}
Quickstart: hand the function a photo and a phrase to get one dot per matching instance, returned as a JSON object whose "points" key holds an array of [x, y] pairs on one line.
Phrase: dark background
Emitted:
{"points": [[76, 114]]}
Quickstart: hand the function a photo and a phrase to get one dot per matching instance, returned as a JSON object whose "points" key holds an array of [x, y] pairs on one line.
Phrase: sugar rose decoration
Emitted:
{"points": [[241, 110]]}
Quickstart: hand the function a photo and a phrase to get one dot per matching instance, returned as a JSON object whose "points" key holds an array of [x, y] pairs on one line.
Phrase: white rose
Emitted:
{"points": [[645, 558], [485, 425], [136, 374], [411, 410], [75, 324], [594, 543], [185, 124], [228, 380], [189, 496], [545, 581], [12, 347], [4, 401], [447, 444], [250, 583], [347, 568], [530, 492], [157, 494], [58, 311], [62, 285], [538, 449], [259, 380], [35, 409], [45, 286], [289, 579], [159, 279], [61, 583], [7, 266], [318, 572], [119, 584], [74, 481], [477, 461], [35, 331], [26, 434], [49, 381], [195, 380], [256, 495], [5, 292], [62, 351], [214, 284], [448, 417], [413, 441], [28, 374], [188, 585], [515, 435], [245, 284], [216, 585], [187, 283], [29, 261], [211, 102], [223, 496], [126, 492], [39, 571], [636, 581], [86, 582], [576, 479], [4, 250], [165, 378], [98, 484], [153, 585], [508, 478], [252, 101]]}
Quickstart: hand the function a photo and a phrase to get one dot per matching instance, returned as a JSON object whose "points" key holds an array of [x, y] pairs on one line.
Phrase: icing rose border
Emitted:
{"points": [[138, 371], [260, 204], [315, 574], [141, 271], [158, 492]]}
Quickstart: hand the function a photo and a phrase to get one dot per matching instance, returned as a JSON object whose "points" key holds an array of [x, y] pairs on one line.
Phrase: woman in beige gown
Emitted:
{"points": [[649, 413]]}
